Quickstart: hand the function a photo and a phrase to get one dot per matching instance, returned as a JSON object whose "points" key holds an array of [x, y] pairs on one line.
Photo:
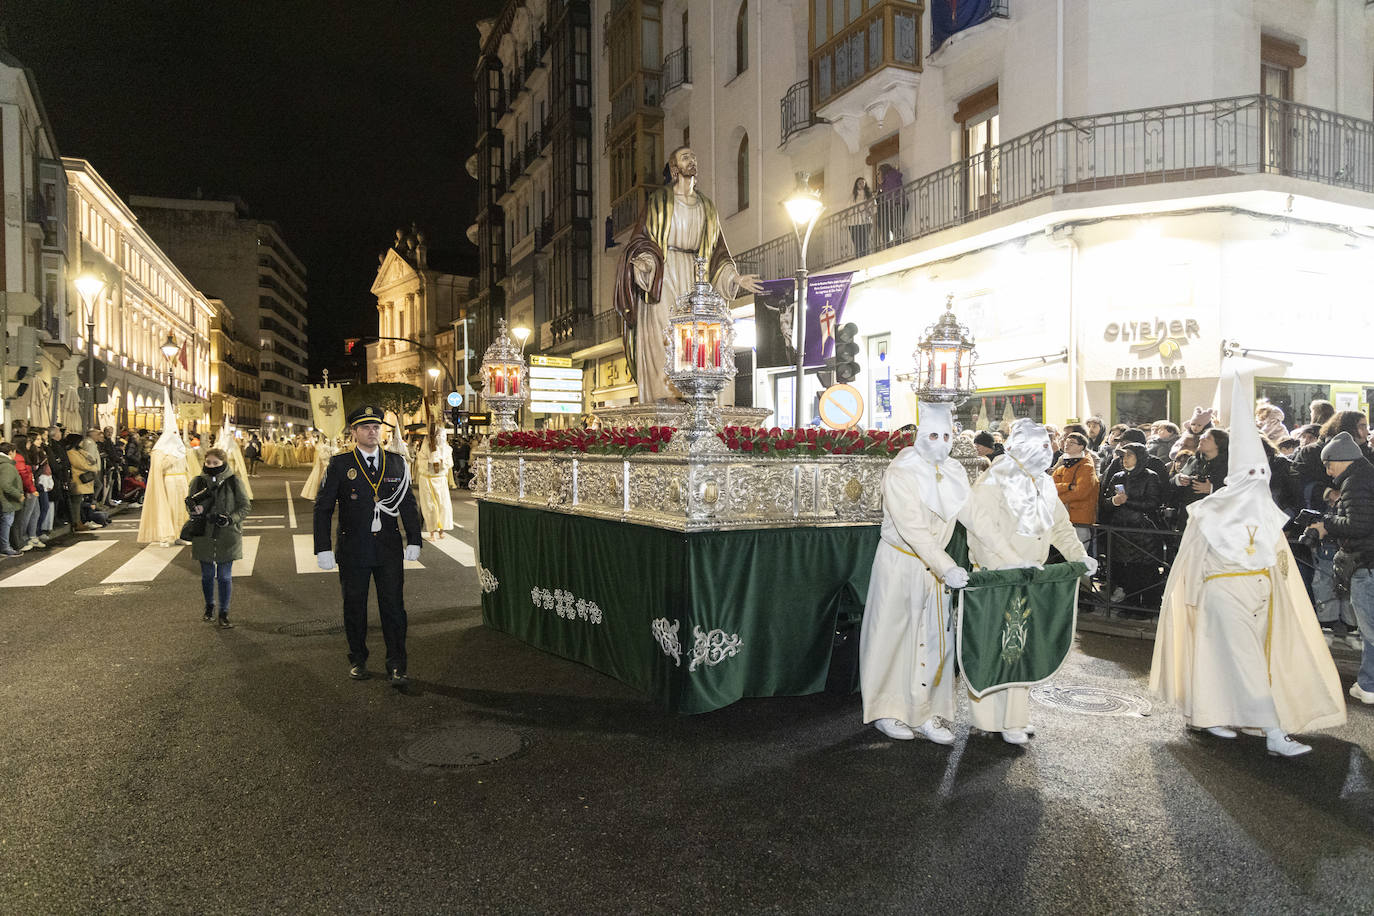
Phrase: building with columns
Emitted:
{"points": [[1115, 192], [146, 301], [35, 280], [418, 299]]}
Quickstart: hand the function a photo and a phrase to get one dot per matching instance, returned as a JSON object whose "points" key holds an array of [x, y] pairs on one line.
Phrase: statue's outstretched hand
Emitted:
{"points": [[750, 283]]}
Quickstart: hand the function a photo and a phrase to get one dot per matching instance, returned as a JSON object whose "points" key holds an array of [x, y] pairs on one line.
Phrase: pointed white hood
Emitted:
{"points": [[1240, 522], [170, 441], [940, 479]]}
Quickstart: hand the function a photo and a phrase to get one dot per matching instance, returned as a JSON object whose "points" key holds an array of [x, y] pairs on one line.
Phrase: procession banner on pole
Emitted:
{"points": [[1016, 626], [326, 405], [775, 339], [825, 300]]}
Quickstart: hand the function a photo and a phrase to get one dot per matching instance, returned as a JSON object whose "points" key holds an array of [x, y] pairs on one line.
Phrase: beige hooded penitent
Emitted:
{"points": [[1238, 644]]}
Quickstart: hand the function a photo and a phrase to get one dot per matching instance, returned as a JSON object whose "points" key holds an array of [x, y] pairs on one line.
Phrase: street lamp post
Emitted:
{"points": [[170, 351], [804, 207], [90, 286]]}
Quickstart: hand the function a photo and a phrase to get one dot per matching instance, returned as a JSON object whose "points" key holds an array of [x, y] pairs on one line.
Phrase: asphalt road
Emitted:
{"points": [[152, 764]]}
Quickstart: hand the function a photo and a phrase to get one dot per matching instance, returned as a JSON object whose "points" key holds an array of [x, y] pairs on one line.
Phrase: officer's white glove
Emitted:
{"points": [[1091, 563], [412, 552], [957, 577], [325, 559]]}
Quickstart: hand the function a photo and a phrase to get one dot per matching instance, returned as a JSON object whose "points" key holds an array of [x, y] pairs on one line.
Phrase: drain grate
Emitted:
{"points": [[1090, 701], [311, 628], [463, 746], [102, 590]]}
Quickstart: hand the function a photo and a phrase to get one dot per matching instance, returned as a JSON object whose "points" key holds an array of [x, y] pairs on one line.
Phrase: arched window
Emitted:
{"points": [[742, 38], [742, 174]]}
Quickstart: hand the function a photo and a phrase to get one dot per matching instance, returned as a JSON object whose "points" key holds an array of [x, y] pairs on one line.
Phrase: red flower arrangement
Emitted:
{"points": [[746, 440]]}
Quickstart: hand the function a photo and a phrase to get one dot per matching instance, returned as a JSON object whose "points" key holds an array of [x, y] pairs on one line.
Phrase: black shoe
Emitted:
{"points": [[398, 679], [209, 615], [359, 672], [224, 623]]}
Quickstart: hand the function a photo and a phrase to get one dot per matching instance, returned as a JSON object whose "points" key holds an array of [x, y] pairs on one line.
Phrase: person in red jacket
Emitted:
{"points": [[24, 534]]}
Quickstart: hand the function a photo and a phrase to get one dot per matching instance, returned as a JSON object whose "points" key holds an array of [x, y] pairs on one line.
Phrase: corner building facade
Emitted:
{"points": [[1115, 192]]}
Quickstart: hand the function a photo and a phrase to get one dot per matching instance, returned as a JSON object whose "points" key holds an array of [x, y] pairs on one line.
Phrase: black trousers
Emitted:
{"points": [[391, 608]]}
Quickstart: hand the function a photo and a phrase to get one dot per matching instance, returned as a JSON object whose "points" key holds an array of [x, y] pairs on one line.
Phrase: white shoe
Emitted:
{"points": [[1253, 732], [1015, 736], [28, 545], [1220, 731], [934, 731], [1282, 745], [894, 728], [1354, 641], [1364, 696]]}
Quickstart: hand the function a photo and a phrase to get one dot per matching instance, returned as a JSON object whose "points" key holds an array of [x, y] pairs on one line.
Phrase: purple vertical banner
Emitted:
{"points": [[825, 300], [775, 343]]}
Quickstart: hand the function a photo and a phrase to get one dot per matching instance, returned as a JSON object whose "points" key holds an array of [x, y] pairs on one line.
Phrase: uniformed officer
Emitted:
{"points": [[372, 490]]}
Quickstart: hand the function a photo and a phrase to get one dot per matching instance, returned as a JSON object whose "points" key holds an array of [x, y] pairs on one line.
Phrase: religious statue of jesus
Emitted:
{"points": [[678, 225]]}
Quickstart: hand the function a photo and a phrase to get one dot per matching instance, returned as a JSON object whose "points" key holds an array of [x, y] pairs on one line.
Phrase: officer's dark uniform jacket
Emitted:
{"points": [[358, 544]]}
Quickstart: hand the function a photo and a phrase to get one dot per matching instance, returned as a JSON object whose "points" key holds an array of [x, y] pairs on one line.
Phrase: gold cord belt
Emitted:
{"points": [[1269, 626]]}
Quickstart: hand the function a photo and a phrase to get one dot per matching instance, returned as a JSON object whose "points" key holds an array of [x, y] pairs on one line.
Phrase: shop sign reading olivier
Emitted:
{"points": [[1149, 338]]}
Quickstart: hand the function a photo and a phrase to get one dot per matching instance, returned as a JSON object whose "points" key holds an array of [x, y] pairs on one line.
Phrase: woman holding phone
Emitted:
{"points": [[1135, 500]]}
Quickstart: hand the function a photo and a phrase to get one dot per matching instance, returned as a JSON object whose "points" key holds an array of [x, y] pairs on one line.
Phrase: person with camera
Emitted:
{"points": [[218, 505], [1351, 523]]}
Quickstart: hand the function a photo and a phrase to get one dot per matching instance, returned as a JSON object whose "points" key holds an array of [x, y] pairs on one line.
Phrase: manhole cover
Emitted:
{"points": [[463, 746], [311, 628], [1091, 701], [112, 590]]}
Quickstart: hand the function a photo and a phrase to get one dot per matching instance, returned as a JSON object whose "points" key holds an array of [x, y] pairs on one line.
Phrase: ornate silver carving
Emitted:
{"points": [[710, 649]]}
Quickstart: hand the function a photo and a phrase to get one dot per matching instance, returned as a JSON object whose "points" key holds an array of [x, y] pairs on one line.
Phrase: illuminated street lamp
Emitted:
{"points": [[90, 286], [804, 208], [522, 335]]}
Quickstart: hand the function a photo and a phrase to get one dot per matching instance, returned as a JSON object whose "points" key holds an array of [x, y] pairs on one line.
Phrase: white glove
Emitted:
{"points": [[325, 559], [1091, 563], [412, 552], [957, 577]]}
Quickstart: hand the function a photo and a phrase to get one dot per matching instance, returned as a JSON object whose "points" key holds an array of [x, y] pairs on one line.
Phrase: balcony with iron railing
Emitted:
{"points": [[677, 70], [534, 147], [797, 112], [573, 329], [1221, 138]]}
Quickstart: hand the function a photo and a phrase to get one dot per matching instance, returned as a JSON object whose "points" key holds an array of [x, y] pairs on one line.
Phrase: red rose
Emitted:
{"points": [[653, 446], [746, 446]]}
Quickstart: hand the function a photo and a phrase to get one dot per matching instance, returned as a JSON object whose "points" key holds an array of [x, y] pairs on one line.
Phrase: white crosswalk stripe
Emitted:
{"points": [[132, 562], [49, 569], [244, 567], [454, 548], [145, 565]]}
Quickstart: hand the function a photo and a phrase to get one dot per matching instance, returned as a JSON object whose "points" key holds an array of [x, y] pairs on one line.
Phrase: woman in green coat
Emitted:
{"points": [[218, 502]]}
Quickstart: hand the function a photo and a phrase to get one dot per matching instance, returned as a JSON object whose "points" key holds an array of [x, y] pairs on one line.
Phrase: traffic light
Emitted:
{"points": [[456, 417], [21, 360], [846, 353]]}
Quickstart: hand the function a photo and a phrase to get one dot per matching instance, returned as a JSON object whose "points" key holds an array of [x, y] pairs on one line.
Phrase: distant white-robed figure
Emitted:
{"points": [[434, 471], [324, 450], [164, 502], [229, 443]]}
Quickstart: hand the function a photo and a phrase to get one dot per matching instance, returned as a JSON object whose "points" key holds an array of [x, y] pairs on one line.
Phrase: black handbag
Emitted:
{"points": [[86, 476], [194, 528]]}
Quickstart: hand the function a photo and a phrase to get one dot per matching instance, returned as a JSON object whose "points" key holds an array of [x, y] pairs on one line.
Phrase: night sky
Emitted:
{"points": [[340, 120]]}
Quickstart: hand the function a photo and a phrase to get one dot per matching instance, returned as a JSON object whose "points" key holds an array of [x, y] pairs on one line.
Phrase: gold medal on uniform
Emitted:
{"points": [[352, 473]]}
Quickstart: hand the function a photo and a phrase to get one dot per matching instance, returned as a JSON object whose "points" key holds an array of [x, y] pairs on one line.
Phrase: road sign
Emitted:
{"points": [[455, 399], [101, 370], [842, 407]]}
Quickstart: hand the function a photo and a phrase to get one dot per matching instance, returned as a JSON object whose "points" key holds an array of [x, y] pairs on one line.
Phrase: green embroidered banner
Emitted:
{"points": [[697, 621], [1016, 625]]}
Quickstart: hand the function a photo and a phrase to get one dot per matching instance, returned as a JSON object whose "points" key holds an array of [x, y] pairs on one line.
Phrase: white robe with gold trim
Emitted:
{"points": [[434, 472]]}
